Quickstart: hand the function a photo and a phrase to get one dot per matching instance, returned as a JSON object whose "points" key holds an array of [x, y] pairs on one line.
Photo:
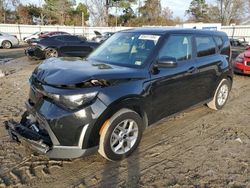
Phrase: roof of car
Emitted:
{"points": [[164, 30]]}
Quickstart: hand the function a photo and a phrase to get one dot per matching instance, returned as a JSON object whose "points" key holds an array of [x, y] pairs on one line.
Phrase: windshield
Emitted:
{"points": [[126, 49]]}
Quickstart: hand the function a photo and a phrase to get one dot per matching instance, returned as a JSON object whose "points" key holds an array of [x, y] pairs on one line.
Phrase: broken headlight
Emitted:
{"points": [[73, 101]]}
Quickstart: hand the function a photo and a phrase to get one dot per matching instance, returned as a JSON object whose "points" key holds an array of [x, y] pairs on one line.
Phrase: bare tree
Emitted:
{"points": [[98, 11], [231, 10]]}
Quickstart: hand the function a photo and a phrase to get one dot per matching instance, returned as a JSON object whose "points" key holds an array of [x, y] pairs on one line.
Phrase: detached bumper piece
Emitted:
{"points": [[31, 135], [41, 139]]}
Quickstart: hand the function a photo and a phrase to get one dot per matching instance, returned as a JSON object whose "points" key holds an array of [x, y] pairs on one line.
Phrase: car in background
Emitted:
{"points": [[101, 37], [53, 33], [60, 45], [34, 36], [7, 41], [240, 42], [241, 64]]}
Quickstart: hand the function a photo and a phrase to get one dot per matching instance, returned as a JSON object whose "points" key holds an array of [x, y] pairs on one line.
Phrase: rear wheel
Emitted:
{"points": [[51, 52], [6, 44], [120, 135], [221, 95]]}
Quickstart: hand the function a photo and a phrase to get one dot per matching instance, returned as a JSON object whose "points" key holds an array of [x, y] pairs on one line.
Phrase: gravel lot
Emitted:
{"points": [[197, 148]]}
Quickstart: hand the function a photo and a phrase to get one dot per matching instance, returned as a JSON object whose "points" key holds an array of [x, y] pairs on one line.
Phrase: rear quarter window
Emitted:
{"points": [[219, 42], [205, 46]]}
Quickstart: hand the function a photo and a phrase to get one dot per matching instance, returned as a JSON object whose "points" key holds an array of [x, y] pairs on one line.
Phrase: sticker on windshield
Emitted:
{"points": [[149, 37]]}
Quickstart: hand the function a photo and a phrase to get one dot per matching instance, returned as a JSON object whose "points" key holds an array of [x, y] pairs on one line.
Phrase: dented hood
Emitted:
{"points": [[70, 71]]}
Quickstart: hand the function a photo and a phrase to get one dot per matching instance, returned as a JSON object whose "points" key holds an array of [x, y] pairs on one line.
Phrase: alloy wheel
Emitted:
{"points": [[51, 53], [124, 136], [223, 95]]}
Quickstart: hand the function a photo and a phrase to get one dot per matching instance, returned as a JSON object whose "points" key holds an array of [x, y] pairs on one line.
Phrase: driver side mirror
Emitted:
{"points": [[166, 62]]}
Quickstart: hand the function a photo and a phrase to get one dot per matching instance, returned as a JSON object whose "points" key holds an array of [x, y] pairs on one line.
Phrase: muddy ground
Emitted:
{"points": [[197, 148]]}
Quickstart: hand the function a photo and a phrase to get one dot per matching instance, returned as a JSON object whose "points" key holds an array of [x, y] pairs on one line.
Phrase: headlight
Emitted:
{"points": [[73, 101], [239, 60]]}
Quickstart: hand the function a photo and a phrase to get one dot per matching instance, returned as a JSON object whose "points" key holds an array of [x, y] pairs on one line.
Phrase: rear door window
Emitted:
{"points": [[177, 46], [205, 46]]}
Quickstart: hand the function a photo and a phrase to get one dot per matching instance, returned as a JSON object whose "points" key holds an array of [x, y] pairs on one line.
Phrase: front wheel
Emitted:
{"points": [[51, 52], [221, 95], [120, 135]]}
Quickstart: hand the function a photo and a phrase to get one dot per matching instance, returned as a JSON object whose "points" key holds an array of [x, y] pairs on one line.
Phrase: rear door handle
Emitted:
{"points": [[192, 70]]}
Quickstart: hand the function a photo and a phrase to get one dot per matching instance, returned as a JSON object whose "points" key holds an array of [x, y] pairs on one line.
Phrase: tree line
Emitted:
{"points": [[119, 12]]}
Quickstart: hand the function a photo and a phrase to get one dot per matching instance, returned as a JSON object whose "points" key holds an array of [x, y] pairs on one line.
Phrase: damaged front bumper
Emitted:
{"points": [[42, 140], [20, 133], [34, 52]]}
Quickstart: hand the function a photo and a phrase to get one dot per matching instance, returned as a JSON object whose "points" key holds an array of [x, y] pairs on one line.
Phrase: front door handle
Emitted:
{"points": [[192, 70]]}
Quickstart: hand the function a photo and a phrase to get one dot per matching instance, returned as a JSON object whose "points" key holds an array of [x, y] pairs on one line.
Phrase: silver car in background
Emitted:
{"points": [[7, 40], [34, 36]]}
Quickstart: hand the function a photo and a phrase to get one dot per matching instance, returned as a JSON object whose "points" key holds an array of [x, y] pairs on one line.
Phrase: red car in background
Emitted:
{"points": [[242, 63], [53, 33]]}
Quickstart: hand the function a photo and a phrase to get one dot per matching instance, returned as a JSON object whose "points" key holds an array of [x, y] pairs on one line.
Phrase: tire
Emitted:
{"points": [[51, 52], [6, 44], [115, 135], [221, 95]]}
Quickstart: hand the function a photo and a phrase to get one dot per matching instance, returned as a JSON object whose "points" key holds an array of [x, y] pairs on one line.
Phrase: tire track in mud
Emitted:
{"points": [[88, 176], [91, 164]]}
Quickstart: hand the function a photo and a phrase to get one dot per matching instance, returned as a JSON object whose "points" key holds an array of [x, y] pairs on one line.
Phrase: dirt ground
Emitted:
{"points": [[197, 148]]}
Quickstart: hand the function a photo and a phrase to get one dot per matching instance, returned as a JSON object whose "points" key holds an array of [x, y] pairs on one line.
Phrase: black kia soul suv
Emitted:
{"points": [[132, 80]]}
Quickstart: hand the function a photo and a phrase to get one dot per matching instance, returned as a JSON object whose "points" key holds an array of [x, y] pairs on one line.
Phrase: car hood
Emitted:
{"points": [[75, 71]]}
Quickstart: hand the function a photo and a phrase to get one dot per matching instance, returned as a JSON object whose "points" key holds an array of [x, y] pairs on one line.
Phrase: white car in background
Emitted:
{"points": [[7, 40], [34, 36]]}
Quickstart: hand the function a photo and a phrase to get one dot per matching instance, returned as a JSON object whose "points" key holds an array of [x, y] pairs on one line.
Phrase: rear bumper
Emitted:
{"points": [[20, 133]]}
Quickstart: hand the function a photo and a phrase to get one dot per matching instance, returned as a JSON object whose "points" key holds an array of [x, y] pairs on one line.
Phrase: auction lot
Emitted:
{"points": [[196, 148]]}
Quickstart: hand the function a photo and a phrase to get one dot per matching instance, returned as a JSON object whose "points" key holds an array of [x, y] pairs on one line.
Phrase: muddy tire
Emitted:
{"points": [[221, 95], [6, 44], [51, 52], [121, 135]]}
